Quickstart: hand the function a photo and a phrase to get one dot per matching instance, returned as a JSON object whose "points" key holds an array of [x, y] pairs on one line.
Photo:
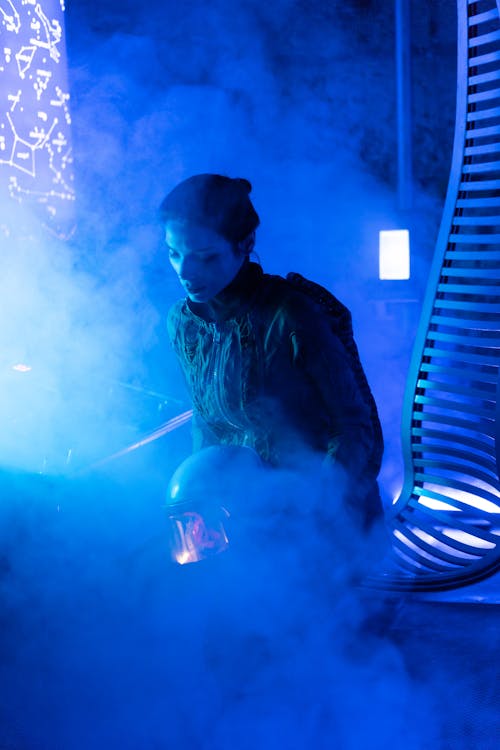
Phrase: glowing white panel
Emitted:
{"points": [[35, 145], [394, 254]]}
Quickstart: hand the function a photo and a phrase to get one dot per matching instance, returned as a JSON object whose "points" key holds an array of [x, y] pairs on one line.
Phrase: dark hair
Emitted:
{"points": [[214, 201]]}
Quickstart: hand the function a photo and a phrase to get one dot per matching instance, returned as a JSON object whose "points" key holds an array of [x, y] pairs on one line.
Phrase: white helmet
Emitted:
{"points": [[202, 494]]}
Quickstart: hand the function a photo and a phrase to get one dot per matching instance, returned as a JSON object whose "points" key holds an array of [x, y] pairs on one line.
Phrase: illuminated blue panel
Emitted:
{"points": [[394, 254], [35, 146]]}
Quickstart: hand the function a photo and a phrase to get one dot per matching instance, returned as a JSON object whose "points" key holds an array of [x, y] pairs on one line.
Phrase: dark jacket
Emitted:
{"points": [[266, 369]]}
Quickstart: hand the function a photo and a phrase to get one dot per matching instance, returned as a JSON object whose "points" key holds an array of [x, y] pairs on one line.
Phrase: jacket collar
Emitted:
{"points": [[234, 299]]}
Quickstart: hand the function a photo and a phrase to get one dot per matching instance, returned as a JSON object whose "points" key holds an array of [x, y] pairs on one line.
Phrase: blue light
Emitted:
{"points": [[394, 254]]}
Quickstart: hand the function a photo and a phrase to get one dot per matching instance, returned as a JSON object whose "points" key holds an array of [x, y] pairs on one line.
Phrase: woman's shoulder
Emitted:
{"points": [[175, 310], [289, 298], [284, 307]]}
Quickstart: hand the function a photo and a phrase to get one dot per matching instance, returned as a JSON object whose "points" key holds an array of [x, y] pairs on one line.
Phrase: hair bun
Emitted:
{"points": [[215, 201], [244, 184]]}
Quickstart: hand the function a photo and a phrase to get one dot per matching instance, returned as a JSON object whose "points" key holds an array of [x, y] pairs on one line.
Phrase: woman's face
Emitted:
{"points": [[203, 260]]}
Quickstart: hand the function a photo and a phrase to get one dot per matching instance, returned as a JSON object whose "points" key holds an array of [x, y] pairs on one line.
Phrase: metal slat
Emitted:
{"points": [[484, 96], [479, 451], [493, 221], [490, 308], [454, 317], [438, 435], [449, 466], [469, 451], [432, 562], [475, 185], [462, 424], [471, 341], [478, 290], [485, 461], [468, 489], [431, 447], [463, 388], [483, 114], [471, 271], [476, 239], [480, 167], [419, 580], [456, 373], [465, 522], [480, 150], [473, 376], [475, 325], [409, 564], [442, 406], [430, 538], [479, 442], [456, 507], [474, 255], [458, 356], [429, 549], [482, 132], [478, 412], [478, 41], [429, 526], [455, 444], [480, 472], [416, 510], [465, 418], [482, 17], [478, 60], [477, 473], [476, 220], [478, 202], [422, 495], [467, 340], [477, 80], [421, 550], [426, 519]]}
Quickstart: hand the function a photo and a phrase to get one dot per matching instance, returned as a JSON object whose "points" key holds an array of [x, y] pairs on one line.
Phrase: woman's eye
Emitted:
{"points": [[209, 258]]}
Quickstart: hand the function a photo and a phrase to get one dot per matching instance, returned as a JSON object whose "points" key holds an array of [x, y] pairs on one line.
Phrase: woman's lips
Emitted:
{"points": [[194, 289]]}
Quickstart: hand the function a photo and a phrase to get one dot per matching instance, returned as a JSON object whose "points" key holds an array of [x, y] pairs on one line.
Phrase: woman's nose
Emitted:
{"points": [[182, 266], [186, 269]]}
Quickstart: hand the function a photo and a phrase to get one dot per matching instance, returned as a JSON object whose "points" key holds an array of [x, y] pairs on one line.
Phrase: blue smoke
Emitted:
{"points": [[103, 643]]}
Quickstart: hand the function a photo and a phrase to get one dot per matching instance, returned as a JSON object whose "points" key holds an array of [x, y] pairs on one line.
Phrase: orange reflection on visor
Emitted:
{"points": [[195, 539]]}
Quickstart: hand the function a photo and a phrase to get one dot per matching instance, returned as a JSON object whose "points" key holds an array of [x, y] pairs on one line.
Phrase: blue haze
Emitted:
{"points": [[103, 643]]}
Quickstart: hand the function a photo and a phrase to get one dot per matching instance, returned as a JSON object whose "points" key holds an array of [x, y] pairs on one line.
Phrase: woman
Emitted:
{"points": [[268, 364]]}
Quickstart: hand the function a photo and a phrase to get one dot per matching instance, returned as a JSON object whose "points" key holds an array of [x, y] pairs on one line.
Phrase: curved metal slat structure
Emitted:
{"points": [[446, 523]]}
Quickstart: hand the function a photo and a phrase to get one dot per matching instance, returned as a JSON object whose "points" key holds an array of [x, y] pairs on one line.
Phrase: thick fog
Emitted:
{"points": [[105, 643]]}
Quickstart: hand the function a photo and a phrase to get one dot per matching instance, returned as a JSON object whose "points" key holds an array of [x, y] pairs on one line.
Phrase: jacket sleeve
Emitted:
{"points": [[321, 357], [317, 352]]}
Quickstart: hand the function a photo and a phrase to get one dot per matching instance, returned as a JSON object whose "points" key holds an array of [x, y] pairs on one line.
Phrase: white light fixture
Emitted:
{"points": [[394, 254]]}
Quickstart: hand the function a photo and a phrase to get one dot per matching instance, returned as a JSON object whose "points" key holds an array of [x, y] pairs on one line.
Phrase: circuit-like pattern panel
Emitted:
{"points": [[35, 144]]}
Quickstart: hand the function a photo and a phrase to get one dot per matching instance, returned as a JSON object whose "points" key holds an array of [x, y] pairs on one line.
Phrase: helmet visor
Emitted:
{"points": [[195, 535]]}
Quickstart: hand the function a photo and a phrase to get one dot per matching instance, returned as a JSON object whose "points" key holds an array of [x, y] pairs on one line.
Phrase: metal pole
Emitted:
{"points": [[403, 103]]}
